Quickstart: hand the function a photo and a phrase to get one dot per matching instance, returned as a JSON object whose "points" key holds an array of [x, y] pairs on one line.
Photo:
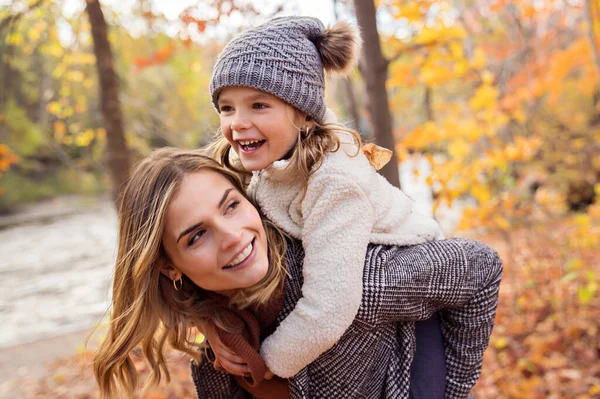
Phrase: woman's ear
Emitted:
{"points": [[171, 272]]}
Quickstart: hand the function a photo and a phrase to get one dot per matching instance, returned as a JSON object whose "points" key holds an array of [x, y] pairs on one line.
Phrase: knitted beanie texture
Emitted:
{"points": [[280, 57]]}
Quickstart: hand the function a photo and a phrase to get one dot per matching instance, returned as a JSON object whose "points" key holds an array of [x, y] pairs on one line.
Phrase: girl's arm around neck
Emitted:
{"points": [[338, 219]]}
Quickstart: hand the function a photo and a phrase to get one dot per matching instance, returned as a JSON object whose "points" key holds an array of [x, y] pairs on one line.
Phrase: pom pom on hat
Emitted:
{"points": [[339, 47]]}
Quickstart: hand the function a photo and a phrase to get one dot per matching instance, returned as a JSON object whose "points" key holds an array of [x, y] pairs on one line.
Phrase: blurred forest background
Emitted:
{"points": [[501, 98]]}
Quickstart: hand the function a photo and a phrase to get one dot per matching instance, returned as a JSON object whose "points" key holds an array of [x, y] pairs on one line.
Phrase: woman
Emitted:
{"points": [[192, 247]]}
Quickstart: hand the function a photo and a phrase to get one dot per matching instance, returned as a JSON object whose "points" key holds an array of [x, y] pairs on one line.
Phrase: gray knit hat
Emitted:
{"points": [[286, 57]]}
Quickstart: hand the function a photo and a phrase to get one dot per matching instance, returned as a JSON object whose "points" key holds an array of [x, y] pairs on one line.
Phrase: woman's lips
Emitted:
{"points": [[246, 261]]}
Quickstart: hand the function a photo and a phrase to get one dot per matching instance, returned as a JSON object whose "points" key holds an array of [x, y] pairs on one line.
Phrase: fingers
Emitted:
{"points": [[223, 353], [268, 374], [241, 370], [225, 359]]}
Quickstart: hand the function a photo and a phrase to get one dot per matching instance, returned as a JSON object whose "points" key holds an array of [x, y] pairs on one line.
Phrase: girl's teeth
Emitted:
{"points": [[242, 257], [248, 142]]}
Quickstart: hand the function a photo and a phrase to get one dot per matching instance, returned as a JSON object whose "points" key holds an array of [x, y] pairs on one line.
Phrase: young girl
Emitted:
{"points": [[311, 178]]}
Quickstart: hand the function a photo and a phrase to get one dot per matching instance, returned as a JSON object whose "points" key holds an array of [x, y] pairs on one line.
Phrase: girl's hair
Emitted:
{"points": [[147, 310], [308, 153]]}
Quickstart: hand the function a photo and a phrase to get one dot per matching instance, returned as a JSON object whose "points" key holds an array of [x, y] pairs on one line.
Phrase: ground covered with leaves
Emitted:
{"points": [[546, 343]]}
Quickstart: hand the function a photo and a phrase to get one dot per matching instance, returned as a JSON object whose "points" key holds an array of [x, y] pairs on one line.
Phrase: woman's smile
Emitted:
{"points": [[243, 258]]}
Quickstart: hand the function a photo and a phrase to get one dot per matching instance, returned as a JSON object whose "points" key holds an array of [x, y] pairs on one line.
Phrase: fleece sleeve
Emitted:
{"points": [[338, 219]]}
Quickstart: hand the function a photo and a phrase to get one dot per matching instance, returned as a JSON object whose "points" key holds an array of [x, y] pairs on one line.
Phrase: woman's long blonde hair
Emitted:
{"points": [[146, 309]]}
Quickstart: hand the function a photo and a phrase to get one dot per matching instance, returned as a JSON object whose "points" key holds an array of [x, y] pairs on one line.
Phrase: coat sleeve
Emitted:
{"points": [[460, 278], [214, 384], [338, 219]]}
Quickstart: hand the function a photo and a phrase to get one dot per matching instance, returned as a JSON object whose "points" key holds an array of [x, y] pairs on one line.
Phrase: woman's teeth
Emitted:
{"points": [[241, 257]]}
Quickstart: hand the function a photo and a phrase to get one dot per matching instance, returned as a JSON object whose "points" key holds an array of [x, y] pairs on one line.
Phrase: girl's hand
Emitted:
{"points": [[225, 359]]}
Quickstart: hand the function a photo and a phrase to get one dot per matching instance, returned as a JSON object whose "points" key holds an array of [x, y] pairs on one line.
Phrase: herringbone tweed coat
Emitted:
{"points": [[458, 277]]}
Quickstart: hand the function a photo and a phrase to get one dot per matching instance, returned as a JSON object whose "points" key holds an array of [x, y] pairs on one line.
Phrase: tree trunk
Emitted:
{"points": [[351, 105], [374, 71], [117, 154], [350, 99]]}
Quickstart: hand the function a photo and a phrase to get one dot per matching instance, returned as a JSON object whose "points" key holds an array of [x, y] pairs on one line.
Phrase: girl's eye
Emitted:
{"points": [[259, 106], [225, 108], [233, 205], [195, 237]]}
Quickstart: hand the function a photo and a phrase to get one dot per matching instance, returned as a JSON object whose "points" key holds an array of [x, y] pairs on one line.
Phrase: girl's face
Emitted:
{"points": [[260, 127], [214, 235]]}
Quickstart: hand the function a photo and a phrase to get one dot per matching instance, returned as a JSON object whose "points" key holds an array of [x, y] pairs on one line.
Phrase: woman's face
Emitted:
{"points": [[214, 236]]}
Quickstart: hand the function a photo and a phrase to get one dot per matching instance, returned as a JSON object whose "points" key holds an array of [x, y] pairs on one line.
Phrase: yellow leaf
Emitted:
{"points": [[85, 138], [585, 294], [53, 107], [501, 343], [456, 50], [33, 34], [479, 60], [59, 130], [76, 76], [199, 339], [519, 116], [502, 222], [459, 149], [481, 193], [485, 97], [487, 77], [410, 11]]}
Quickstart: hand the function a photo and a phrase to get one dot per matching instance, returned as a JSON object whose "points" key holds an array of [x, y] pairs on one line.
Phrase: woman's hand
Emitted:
{"points": [[269, 374], [225, 359]]}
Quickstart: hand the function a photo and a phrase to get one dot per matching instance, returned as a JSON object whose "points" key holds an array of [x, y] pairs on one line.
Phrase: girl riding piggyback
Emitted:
{"points": [[309, 175]]}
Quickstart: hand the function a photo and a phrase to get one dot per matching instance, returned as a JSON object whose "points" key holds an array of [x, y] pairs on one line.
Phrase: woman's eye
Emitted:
{"points": [[233, 205], [195, 237], [259, 106]]}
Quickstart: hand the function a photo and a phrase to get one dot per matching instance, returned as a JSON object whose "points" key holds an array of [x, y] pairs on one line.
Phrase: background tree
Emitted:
{"points": [[117, 156], [373, 67]]}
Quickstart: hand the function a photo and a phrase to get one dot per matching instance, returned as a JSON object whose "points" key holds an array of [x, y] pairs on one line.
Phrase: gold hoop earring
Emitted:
{"points": [[180, 284]]}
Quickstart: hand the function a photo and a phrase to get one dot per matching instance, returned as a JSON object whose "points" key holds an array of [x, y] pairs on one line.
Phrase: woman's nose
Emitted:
{"points": [[230, 235]]}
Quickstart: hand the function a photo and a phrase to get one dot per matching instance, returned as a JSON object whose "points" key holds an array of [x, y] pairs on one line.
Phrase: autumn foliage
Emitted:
{"points": [[502, 98], [7, 158]]}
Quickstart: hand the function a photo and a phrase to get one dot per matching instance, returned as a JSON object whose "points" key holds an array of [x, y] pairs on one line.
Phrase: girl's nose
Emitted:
{"points": [[240, 122]]}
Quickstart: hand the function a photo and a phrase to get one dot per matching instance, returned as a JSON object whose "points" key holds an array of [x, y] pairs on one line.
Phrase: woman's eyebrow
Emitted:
{"points": [[188, 230], [194, 227], [224, 198]]}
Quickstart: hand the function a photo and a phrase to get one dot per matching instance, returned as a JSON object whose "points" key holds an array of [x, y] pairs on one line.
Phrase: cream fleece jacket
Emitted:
{"points": [[346, 206]]}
